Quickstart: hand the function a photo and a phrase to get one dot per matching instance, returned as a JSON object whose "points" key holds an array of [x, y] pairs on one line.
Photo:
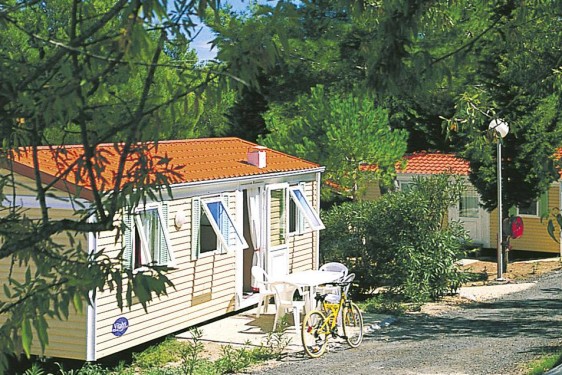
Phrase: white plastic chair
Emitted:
{"points": [[335, 267], [265, 293], [332, 267], [284, 301]]}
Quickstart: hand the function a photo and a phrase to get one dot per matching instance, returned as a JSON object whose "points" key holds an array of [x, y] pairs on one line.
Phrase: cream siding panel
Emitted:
{"points": [[67, 338], [371, 192], [143, 334], [301, 246], [214, 274], [535, 236]]}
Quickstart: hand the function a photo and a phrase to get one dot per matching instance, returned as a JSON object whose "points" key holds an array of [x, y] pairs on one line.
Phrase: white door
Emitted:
{"points": [[472, 216], [277, 230]]}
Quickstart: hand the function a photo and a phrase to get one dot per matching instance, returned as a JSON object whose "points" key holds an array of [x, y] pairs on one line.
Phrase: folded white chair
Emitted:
{"points": [[264, 293]]}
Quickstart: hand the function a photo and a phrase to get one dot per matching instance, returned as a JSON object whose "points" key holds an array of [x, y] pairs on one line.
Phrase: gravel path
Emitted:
{"points": [[492, 337]]}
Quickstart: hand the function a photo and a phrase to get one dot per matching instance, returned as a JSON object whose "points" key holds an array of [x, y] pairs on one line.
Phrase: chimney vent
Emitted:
{"points": [[257, 156]]}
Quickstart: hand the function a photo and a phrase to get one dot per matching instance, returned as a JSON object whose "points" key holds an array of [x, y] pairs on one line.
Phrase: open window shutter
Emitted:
{"points": [[512, 211], [543, 204], [195, 227], [301, 223], [225, 227], [128, 242], [164, 253]]}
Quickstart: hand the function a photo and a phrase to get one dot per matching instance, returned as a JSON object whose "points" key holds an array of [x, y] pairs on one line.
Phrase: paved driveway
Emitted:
{"points": [[492, 337]]}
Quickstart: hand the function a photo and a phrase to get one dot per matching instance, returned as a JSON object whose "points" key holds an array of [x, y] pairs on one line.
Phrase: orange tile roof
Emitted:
{"points": [[190, 160], [435, 163], [429, 163]]}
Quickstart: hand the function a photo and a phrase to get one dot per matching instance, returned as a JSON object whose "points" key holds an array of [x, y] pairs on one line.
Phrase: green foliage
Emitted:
{"points": [[442, 70], [159, 355], [35, 369], [190, 353], [383, 304], [401, 242], [340, 132], [88, 73]]}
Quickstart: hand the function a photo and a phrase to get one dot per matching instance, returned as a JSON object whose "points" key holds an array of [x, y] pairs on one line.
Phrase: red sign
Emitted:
{"points": [[516, 227]]}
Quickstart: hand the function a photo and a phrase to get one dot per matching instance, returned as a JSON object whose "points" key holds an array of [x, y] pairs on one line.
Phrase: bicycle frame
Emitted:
{"points": [[332, 310], [324, 321]]}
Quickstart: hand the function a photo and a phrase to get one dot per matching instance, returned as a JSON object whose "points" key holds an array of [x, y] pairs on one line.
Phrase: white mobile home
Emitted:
{"points": [[481, 225], [234, 204]]}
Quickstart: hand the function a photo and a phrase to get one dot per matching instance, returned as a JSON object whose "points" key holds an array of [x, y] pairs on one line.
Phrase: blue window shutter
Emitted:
{"points": [[195, 227], [128, 241]]}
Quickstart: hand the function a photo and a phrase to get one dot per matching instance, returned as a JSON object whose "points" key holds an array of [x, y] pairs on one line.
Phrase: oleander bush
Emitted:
{"points": [[402, 241]]}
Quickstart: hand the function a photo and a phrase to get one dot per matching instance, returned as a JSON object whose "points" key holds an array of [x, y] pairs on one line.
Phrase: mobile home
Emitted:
{"points": [[233, 205], [481, 225]]}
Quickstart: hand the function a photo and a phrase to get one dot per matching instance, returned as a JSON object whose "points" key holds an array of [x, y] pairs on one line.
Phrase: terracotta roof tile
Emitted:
{"points": [[435, 163], [429, 163], [193, 160]]}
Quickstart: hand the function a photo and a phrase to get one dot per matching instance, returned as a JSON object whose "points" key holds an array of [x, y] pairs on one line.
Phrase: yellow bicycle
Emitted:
{"points": [[321, 324]]}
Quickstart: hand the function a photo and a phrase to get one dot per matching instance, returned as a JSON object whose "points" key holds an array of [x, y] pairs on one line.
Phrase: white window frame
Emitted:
{"points": [[284, 220], [146, 253], [538, 208], [299, 219], [406, 185], [305, 209], [469, 193], [222, 243]]}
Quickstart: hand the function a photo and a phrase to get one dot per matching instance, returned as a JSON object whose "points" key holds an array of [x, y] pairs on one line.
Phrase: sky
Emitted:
{"points": [[202, 46], [201, 42]]}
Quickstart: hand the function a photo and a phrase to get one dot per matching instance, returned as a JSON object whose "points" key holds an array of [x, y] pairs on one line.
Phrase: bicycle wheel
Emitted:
{"points": [[314, 333], [352, 325]]}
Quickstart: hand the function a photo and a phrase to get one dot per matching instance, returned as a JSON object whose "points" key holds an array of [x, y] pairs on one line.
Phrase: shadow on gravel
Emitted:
{"points": [[502, 319]]}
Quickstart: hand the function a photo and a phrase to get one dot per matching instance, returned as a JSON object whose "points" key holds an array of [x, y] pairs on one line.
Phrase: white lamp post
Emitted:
{"points": [[501, 128]]}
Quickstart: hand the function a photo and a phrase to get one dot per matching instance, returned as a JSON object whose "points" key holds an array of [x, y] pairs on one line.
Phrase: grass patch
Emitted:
{"points": [[544, 363], [175, 357]]}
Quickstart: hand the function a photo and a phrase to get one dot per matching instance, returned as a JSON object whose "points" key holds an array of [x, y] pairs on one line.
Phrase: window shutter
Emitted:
{"points": [[225, 227], [195, 227], [164, 253], [301, 223], [543, 205], [128, 241], [512, 211]]}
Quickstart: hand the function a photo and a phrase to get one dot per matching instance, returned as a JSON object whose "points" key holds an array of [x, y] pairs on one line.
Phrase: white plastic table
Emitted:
{"points": [[310, 279]]}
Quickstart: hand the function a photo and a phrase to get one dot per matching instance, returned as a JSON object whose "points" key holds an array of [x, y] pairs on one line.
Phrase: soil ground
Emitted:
{"points": [[522, 267]]}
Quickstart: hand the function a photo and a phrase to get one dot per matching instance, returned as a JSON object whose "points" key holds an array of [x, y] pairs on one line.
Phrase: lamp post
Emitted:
{"points": [[501, 128]]}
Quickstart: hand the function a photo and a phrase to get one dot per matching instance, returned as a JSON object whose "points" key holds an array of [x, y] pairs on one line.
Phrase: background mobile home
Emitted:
{"points": [[235, 204], [481, 225]]}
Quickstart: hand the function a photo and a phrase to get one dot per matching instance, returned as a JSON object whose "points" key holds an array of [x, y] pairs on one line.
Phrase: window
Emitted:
{"points": [[469, 203], [297, 223], [213, 230], [406, 186], [305, 209], [278, 217], [146, 238], [532, 209]]}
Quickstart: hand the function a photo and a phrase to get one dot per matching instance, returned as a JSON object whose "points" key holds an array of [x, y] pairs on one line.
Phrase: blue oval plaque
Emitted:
{"points": [[120, 326]]}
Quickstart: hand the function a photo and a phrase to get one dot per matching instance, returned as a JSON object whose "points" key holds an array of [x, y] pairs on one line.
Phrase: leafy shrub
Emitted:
{"points": [[159, 355], [402, 241], [383, 305]]}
